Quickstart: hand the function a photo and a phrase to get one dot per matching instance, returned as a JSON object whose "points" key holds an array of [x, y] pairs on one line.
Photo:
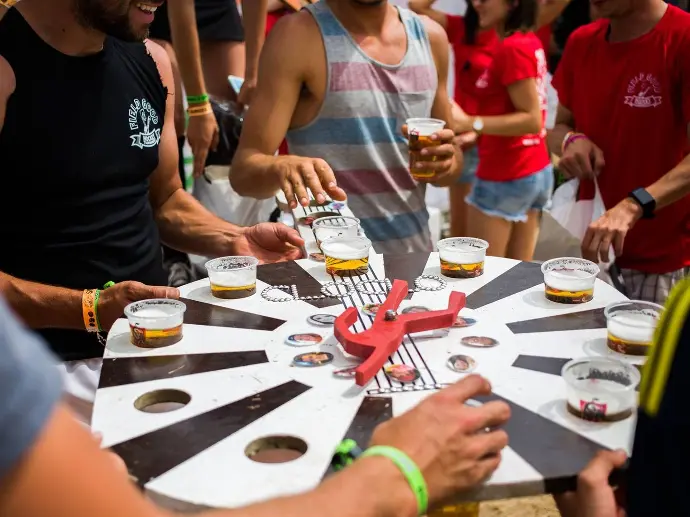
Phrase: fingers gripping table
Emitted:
{"points": [[234, 371]]}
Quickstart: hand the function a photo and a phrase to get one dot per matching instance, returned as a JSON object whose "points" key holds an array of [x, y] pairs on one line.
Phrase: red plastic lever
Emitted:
{"points": [[377, 343]]}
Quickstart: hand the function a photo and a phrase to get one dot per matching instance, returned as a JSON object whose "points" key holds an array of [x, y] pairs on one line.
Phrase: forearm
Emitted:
{"points": [[43, 306], [672, 186], [253, 174], [549, 11], [513, 124], [254, 20], [185, 225], [554, 138], [186, 43], [372, 487]]}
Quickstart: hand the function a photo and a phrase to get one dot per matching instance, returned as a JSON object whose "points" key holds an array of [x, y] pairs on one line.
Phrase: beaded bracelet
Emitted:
{"points": [[198, 99]]}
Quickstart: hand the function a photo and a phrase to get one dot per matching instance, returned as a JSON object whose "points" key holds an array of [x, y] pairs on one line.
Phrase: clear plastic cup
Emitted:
{"points": [[569, 280], [232, 277], [333, 227], [631, 326], [155, 323], [419, 131], [346, 256], [462, 257], [600, 389]]}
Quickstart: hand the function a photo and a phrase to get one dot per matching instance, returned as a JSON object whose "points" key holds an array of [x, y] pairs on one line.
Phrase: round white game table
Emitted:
{"points": [[236, 370]]}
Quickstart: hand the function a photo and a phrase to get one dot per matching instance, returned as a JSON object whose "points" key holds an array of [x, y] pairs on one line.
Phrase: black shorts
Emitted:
{"points": [[216, 20]]}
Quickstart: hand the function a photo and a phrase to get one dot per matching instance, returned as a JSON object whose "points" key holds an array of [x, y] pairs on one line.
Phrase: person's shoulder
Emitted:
{"points": [[162, 60], [588, 32], [433, 29], [8, 81], [676, 26], [295, 27], [519, 42]]}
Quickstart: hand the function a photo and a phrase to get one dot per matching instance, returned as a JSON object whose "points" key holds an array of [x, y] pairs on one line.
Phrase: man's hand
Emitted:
{"points": [[448, 440], [444, 154], [113, 300], [202, 133], [610, 229], [581, 159], [297, 174], [270, 242], [595, 497]]}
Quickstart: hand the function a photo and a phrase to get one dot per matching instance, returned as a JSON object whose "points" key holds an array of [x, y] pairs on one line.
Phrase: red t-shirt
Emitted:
{"points": [[544, 35], [632, 99], [470, 61], [503, 158]]}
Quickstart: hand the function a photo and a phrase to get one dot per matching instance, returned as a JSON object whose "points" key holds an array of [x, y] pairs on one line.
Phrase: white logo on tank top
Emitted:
{"points": [[643, 92], [142, 121]]}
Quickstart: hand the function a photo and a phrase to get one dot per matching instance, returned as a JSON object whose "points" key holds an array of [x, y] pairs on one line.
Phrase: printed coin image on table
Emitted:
{"points": [[321, 319], [462, 323], [304, 339], [345, 373], [318, 257], [461, 363], [479, 341], [402, 373], [312, 359], [371, 309]]}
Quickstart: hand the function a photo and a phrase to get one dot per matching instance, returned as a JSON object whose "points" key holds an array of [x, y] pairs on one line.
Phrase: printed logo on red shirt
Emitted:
{"points": [[642, 89], [483, 80]]}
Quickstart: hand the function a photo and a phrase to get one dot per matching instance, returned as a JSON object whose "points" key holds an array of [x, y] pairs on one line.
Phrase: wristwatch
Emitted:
{"points": [[646, 202], [345, 454], [478, 125]]}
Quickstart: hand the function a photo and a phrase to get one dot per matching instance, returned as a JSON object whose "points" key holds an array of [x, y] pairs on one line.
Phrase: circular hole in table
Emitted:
{"points": [[276, 449], [162, 401]]}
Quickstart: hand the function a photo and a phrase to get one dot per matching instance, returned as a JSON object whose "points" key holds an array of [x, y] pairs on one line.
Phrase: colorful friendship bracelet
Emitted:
{"points": [[570, 137], [198, 99]]}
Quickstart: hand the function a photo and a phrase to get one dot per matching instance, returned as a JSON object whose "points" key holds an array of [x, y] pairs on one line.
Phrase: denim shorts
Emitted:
{"points": [[511, 200], [470, 164]]}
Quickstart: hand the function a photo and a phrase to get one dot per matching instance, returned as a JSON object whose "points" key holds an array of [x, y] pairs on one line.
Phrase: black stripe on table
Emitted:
{"points": [[129, 370], [289, 273], [150, 455], [405, 267], [200, 313], [520, 277], [582, 320]]}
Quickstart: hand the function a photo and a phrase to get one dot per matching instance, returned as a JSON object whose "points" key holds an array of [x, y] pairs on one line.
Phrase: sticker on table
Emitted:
{"points": [[461, 322], [415, 309], [335, 205], [305, 339], [318, 257], [322, 320], [479, 341], [345, 373], [306, 221], [371, 309], [462, 363], [312, 359], [402, 373]]}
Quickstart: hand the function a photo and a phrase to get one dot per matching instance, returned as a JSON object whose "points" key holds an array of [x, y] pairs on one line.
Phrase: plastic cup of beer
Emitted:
{"points": [[600, 389], [419, 131], [631, 326], [346, 256], [333, 227], [232, 277], [155, 323], [462, 257], [569, 280]]}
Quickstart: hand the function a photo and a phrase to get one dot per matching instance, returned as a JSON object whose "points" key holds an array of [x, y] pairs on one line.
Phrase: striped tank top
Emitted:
{"points": [[358, 131]]}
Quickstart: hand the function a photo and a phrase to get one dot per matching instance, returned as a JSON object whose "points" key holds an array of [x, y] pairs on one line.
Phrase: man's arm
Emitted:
{"points": [[565, 122], [549, 10], [184, 224], [442, 108], [282, 72], [185, 38]]}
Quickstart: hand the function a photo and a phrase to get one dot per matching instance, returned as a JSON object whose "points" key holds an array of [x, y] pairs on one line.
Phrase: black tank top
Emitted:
{"points": [[79, 143]]}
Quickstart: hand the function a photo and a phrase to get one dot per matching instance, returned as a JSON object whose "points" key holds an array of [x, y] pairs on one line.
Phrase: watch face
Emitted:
{"points": [[478, 124]]}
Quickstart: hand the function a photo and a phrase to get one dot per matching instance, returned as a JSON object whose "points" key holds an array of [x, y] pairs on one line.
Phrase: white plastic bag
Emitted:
{"points": [[213, 190], [575, 215]]}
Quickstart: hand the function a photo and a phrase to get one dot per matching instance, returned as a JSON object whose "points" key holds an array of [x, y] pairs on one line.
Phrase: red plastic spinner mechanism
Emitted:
{"points": [[386, 334]]}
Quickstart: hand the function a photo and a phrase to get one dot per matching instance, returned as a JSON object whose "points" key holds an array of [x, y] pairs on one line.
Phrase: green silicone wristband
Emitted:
{"points": [[96, 296], [197, 99], [409, 469]]}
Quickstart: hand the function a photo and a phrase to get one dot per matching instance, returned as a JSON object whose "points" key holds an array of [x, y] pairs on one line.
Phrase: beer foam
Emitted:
{"points": [[632, 326], [159, 314], [239, 278], [347, 249], [462, 250], [569, 280]]}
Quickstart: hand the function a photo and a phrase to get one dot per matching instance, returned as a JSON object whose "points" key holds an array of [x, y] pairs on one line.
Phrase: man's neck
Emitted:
{"points": [[360, 18], [55, 22], [638, 22]]}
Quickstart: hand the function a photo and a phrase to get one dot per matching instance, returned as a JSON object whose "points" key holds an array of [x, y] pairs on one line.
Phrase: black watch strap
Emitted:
{"points": [[645, 200]]}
